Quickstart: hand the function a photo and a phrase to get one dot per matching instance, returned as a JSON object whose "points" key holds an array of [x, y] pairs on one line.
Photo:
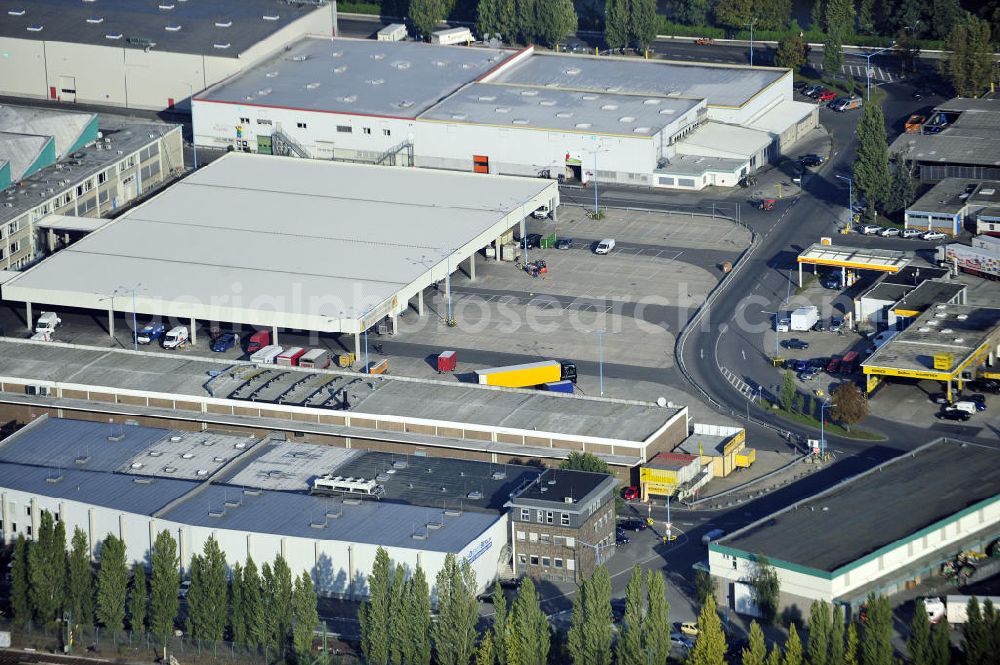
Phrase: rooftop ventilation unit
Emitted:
{"points": [[474, 494], [270, 17], [547, 102], [609, 107], [962, 317], [988, 192], [217, 512], [136, 465], [166, 6], [54, 479], [564, 114], [16, 12], [567, 499], [519, 121], [271, 75], [116, 35], [187, 456], [201, 473], [583, 125], [172, 28], [529, 93], [312, 86], [95, 20], [145, 480], [221, 46], [625, 119], [83, 459], [170, 469], [35, 28], [299, 58], [571, 71], [176, 439], [224, 24]]}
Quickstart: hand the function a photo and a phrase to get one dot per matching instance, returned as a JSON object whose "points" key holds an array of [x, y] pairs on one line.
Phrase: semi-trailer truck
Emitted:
{"points": [[804, 318], [528, 374]]}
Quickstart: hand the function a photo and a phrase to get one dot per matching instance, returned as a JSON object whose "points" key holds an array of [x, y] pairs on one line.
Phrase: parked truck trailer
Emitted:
{"points": [[954, 608], [528, 374], [982, 260], [803, 318]]}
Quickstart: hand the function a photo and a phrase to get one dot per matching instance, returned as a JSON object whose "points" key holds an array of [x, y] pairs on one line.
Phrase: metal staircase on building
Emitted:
{"points": [[388, 158], [284, 145]]}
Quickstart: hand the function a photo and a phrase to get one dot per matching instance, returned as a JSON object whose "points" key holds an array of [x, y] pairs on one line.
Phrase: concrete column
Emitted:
{"points": [[36, 514], [800, 275], [194, 335], [553, 205], [357, 344], [350, 571], [28, 314], [498, 242], [5, 516], [111, 322], [393, 323], [274, 334], [50, 240], [420, 302], [472, 267]]}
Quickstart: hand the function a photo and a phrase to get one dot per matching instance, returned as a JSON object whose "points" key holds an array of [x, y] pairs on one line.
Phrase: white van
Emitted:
{"points": [[965, 405], [541, 213], [605, 246], [175, 338], [47, 322]]}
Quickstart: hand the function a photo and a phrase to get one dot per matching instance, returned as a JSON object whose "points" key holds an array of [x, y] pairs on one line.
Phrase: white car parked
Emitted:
{"points": [[933, 235], [912, 233], [605, 246], [888, 232], [870, 229]]}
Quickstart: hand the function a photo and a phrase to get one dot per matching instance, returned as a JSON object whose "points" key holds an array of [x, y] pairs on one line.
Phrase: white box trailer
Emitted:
{"points": [[452, 36], [803, 318], [267, 355], [394, 32], [317, 358]]}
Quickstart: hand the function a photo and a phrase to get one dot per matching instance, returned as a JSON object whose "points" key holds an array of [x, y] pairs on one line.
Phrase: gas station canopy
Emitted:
{"points": [[855, 258]]}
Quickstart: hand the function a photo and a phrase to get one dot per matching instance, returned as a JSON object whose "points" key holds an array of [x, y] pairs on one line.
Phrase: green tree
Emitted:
{"points": [[788, 394], [163, 585], [774, 658], [793, 647], [919, 642], [280, 597], [642, 22], [554, 21], [755, 653], [616, 23], [484, 654], [499, 624], [833, 54], [852, 645], [968, 61], [138, 598], [690, 12], [975, 635], [253, 599], [426, 14], [584, 462], [592, 630], [992, 623], [945, 14], [47, 568], [496, 18], [850, 406], [710, 645], [238, 606], [270, 622], [305, 618], [836, 656], [20, 585], [871, 165], [940, 648], [817, 16], [902, 187], [791, 53], [112, 584], [419, 613], [876, 646], [373, 615], [704, 583], [766, 589], [397, 618], [907, 49], [656, 629], [734, 14], [80, 580], [629, 645], [818, 649], [840, 18], [208, 596], [458, 610], [866, 18], [531, 625]]}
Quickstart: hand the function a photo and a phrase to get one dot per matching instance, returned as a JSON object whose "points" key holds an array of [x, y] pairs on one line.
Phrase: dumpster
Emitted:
{"points": [[548, 242], [447, 361], [378, 367], [345, 360]]}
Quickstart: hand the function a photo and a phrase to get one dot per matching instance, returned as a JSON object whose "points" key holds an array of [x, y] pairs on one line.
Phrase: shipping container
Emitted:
{"points": [[559, 387], [317, 358], [290, 356], [447, 361], [528, 374], [452, 36], [393, 32], [266, 355]]}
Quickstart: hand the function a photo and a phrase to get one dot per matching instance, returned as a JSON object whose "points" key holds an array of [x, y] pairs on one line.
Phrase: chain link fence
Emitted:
{"points": [[128, 646]]}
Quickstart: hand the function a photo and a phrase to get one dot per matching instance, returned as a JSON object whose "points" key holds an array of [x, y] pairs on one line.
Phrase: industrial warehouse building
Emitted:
{"points": [[654, 123], [257, 498], [869, 534], [269, 242], [66, 171], [398, 415], [143, 54]]}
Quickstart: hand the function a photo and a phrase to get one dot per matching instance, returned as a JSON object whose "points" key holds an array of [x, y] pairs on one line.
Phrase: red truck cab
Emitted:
{"points": [[258, 341]]}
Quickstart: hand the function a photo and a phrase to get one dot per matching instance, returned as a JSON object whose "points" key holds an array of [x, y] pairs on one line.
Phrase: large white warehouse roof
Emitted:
{"points": [[293, 243]]}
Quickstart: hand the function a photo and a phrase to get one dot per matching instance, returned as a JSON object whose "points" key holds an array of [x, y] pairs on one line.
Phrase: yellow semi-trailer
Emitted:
{"points": [[528, 374]]}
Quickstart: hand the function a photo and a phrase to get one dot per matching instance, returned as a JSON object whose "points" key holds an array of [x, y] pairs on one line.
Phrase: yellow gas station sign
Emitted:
{"points": [[943, 361]]}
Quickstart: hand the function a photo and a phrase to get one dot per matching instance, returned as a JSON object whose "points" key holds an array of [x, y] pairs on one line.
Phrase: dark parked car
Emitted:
{"points": [[819, 364], [795, 343], [533, 240], [801, 365], [564, 243], [820, 326], [953, 414], [986, 385], [632, 524], [920, 93], [225, 341], [809, 374], [810, 160]]}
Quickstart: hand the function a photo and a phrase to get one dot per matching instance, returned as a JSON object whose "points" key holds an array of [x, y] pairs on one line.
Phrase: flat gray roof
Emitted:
{"points": [[887, 291], [721, 85], [950, 196], [943, 328], [311, 244], [929, 293], [433, 400], [882, 507], [972, 138], [119, 134], [65, 127], [563, 110], [696, 165], [135, 23], [358, 76], [961, 104]]}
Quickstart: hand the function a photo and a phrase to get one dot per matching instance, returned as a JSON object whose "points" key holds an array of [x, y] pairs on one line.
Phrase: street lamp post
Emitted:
{"points": [[850, 193], [868, 65], [751, 40], [135, 321], [600, 357], [776, 354]]}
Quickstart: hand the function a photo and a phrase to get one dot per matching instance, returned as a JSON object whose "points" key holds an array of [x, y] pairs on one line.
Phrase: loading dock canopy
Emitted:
{"points": [[883, 260], [290, 243]]}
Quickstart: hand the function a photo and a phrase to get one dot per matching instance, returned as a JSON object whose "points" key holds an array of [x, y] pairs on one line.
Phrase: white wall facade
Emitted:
{"points": [[337, 567], [741, 115], [120, 75]]}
